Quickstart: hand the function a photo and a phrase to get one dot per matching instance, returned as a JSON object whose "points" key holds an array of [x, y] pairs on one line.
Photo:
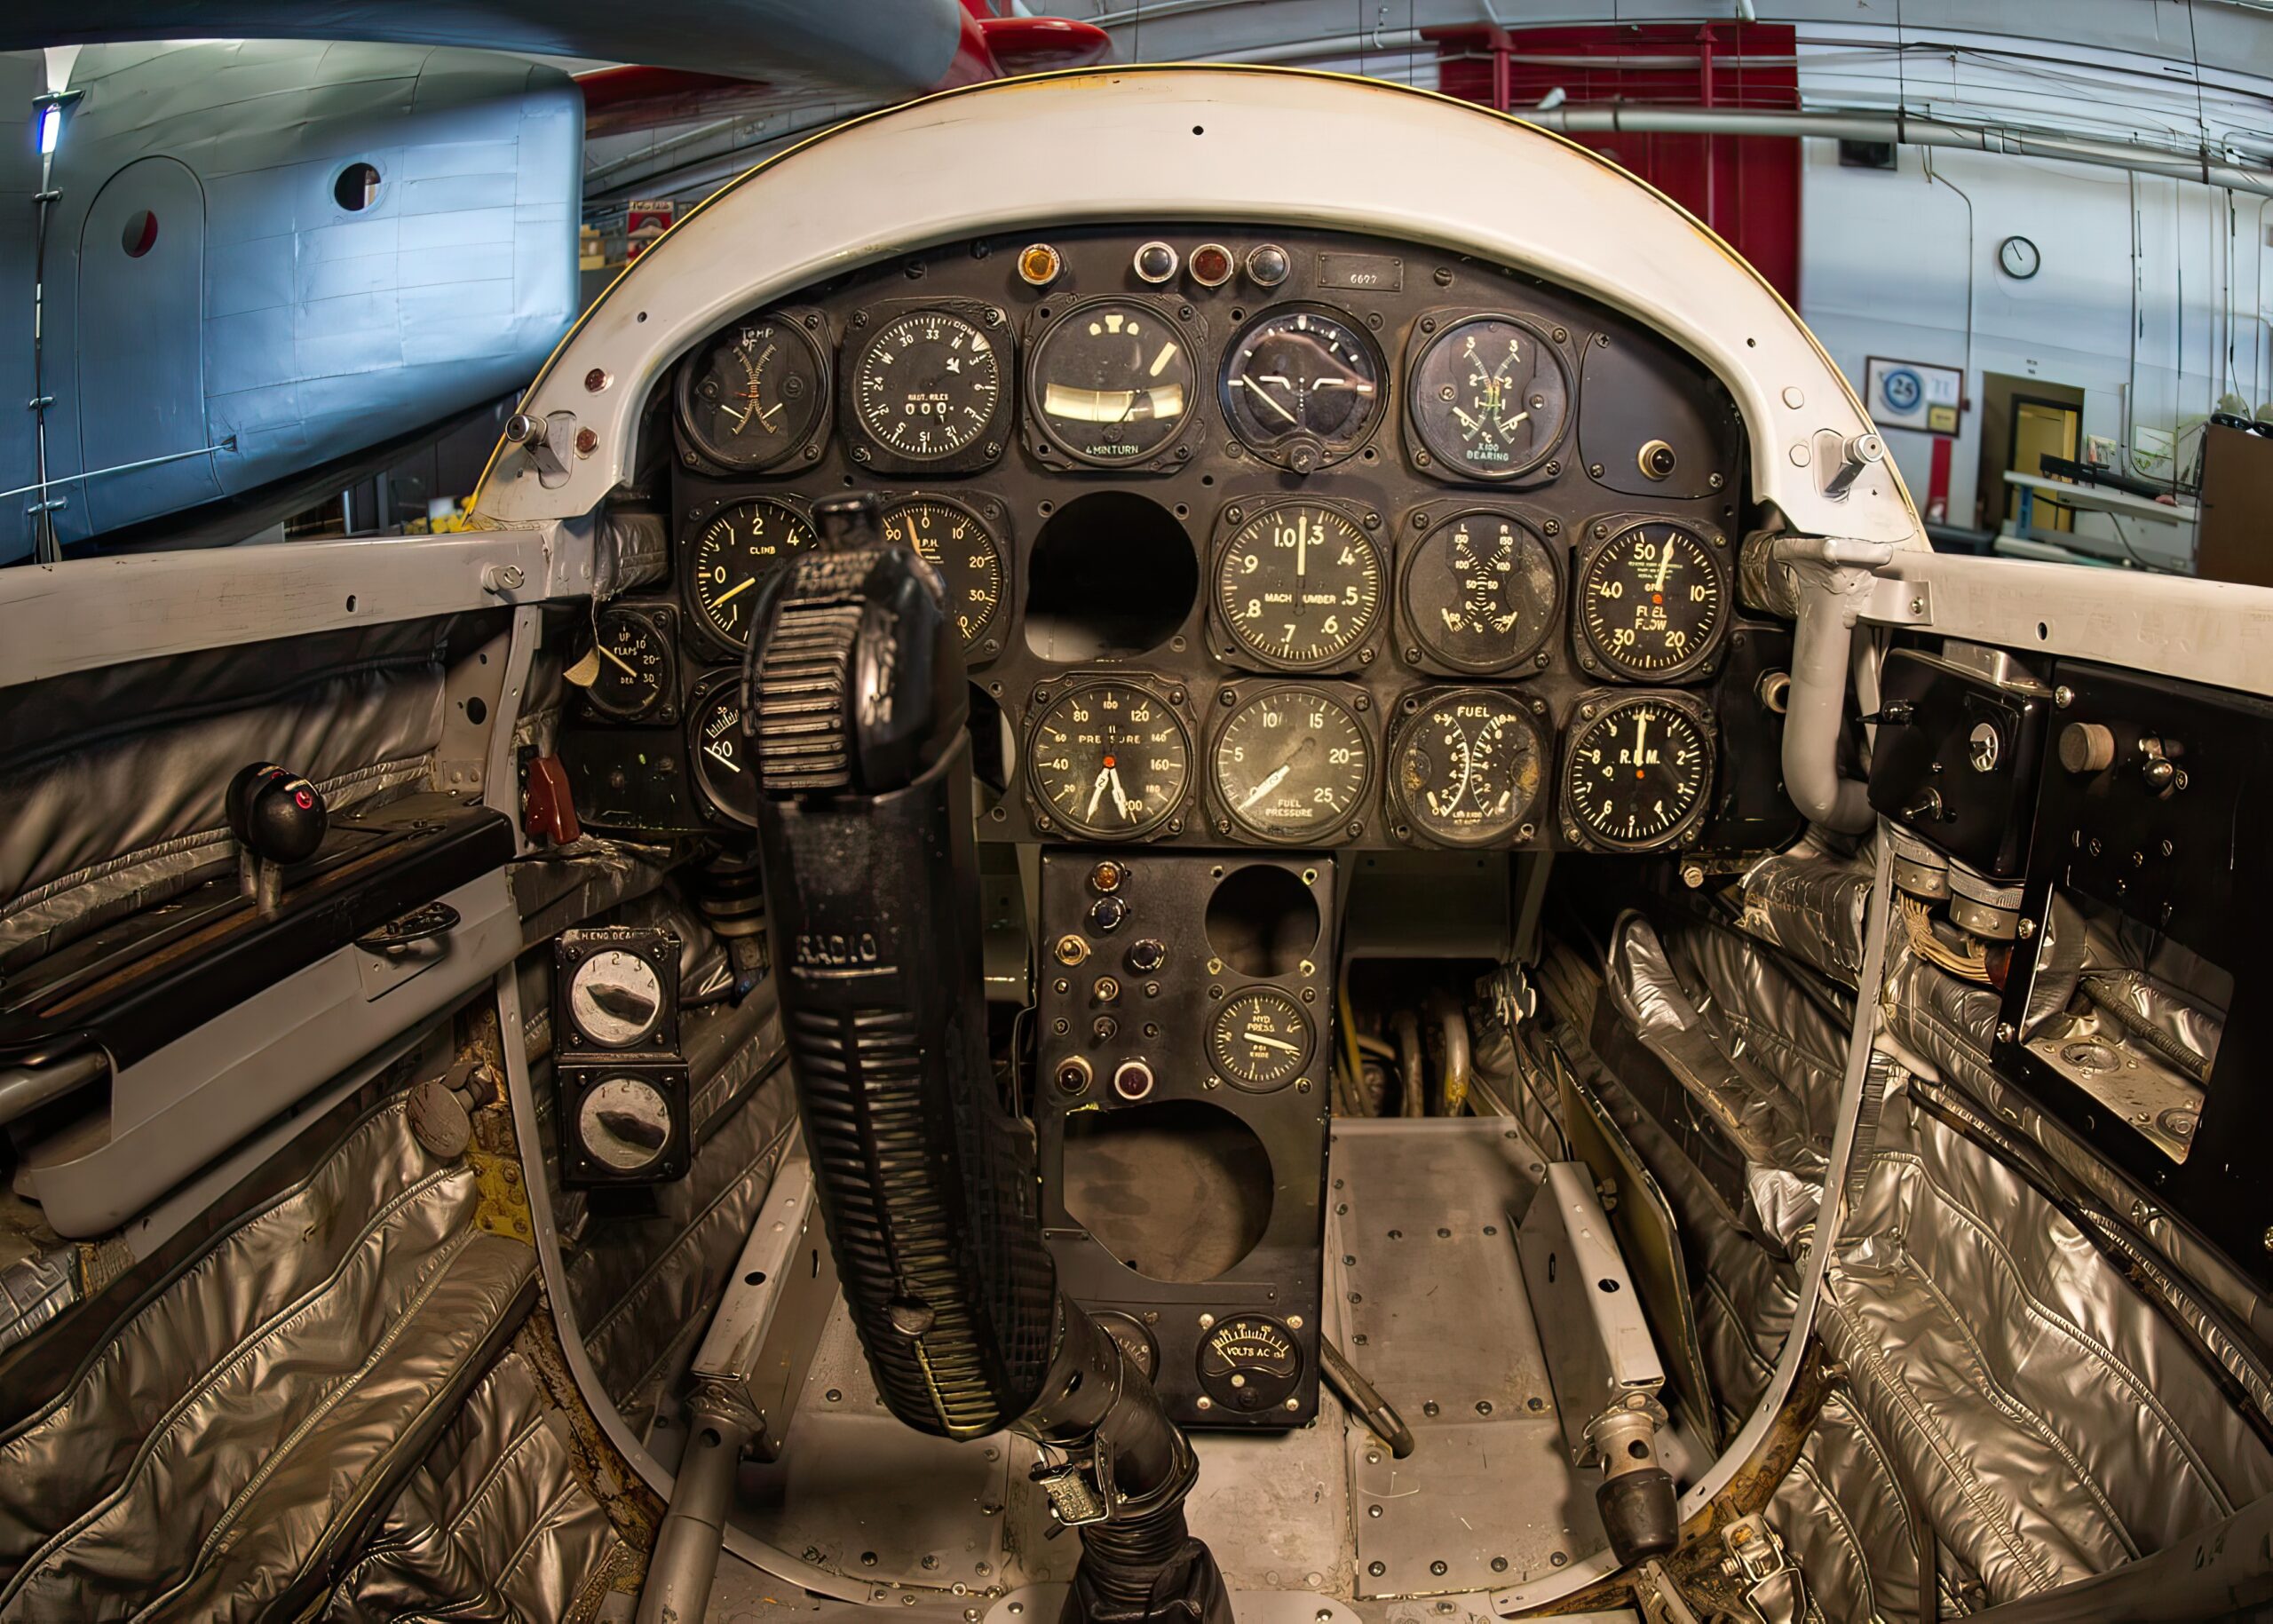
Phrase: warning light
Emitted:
{"points": [[1039, 264]]}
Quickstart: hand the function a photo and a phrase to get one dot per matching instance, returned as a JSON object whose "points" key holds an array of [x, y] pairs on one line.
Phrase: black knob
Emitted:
{"points": [[1106, 913], [2159, 771], [1267, 265], [279, 815], [1156, 262], [1147, 956]]}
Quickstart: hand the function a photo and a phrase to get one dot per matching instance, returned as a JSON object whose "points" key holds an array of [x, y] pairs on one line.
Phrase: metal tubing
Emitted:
{"points": [[1831, 578], [25, 1088], [686, 1559], [2221, 1572]]}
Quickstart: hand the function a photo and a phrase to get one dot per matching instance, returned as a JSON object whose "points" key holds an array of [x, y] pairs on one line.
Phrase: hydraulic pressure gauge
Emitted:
{"points": [[633, 664], [737, 548], [1292, 763], [951, 535], [1112, 382], [1468, 767], [1637, 772], [1653, 602], [1298, 586], [1482, 592], [1491, 399], [1303, 387], [1109, 760], [753, 396], [725, 772], [1260, 1040], [616, 998], [928, 386]]}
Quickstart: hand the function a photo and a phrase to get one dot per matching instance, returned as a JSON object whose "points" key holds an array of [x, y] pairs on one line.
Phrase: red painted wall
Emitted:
{"points": [[1745, 188]]}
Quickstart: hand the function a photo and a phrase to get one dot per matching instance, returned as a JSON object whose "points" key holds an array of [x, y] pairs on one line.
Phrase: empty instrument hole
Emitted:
{"points": [[1263, 921]]}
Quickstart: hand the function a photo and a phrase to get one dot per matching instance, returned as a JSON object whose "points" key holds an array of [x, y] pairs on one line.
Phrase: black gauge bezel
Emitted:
{"points": [[865, 328], [1414, 709], [1592, 709], [661, 621], [1048, 696], [1604, 533], [1235, 697], [1172, 453], [1426, 525], [1423, 449], [706, 638], [990, 515], [1276, 449], [700, 699], [809, 328], [1221, 1017], [1233, 649]]}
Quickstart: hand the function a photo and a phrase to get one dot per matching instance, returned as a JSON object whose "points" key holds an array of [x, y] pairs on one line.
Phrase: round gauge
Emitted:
{"points": [[740, 545], [1638, 773], [725, 770], [1301, 387], [1109, 761], [753, 394], [633, 656], [1260, 1040], [1136, 1341], [927, 386], [1653, 601], [1469, 766], [624, 1123], [1293, 763], [1249, 1362], [958, 543], [1481, 592], [1299, 585], [616, 998], [1491, 397], [1113, 382]]}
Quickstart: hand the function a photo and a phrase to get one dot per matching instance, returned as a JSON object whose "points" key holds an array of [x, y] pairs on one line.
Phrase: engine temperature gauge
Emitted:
{"points": [[724, 766], [1260, 1040], [753, 395], [1490, 398]]}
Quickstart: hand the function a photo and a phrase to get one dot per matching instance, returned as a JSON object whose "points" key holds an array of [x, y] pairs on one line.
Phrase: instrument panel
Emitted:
{"points": [[1312, 540]]}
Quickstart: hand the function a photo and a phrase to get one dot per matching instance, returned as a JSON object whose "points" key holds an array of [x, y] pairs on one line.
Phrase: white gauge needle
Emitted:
{"points": [[1665, 564], [1302, 547], [1257, 1039], [1097, 791], [722, 755], [1641, 734], [619, 660], [1271, 783], [1264, 395], [764, 416], [1507, 424], [740, 418], [732, 591], [1120, 798]]}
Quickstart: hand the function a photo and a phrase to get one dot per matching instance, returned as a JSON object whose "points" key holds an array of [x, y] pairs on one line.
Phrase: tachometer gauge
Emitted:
{"points": [[1637, 772], [928, 386], [1468, 768], [1491, 399], [1482, 592], [752, 396], [1113, 382], [1303, 387], [1260, 1040], [1298, 586], [632, 665], [1293, 763], [956, 539], [616, 998], [730, 556], [1109, 760], [1653, 601], [724, 767]]}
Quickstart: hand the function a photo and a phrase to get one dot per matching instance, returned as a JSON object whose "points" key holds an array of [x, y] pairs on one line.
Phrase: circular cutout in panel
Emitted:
{"points": [[1263, 921], [140, 234], [356, 187], [1177, 1191], [1111, 575]]}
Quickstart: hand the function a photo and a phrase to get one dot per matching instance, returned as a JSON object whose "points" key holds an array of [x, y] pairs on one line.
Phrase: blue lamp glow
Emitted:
{"points": [[50, 127]]}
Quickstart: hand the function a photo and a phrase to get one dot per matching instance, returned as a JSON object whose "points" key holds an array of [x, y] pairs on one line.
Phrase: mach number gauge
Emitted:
{"points": [[1249, 1362], [955, 541], [1468, 768], [753, 396], [1109, 761], [1260, 1040], [930, 389], [730, 556], [1637, 772], [1293, 763], [1482, 593], [1652, 602], [1298, 586], [1491, 399]]}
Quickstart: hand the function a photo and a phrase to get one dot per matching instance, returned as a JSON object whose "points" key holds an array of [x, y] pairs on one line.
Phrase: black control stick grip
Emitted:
{"points": [[279, 816]]}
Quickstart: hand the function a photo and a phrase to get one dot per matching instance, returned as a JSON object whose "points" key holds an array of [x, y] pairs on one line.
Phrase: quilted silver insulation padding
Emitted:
{"points": [[2011, 1399], [217, 1449]]}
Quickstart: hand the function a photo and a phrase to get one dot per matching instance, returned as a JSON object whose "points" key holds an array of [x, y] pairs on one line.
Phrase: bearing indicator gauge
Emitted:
{"points": [[1109, 760], [956, 541], [1490, 398], [1260, 1040], [1299, 585], [752, 395], [1293, 763], [1637, 773], [732, 554], [1113, 382], [1301, 387], [1653, 601], [1482, 592], [927, 386], [1469, 767]]}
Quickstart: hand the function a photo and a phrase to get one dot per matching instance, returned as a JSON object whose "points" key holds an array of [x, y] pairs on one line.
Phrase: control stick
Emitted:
{"points": [[279, 819], [855, 696]]}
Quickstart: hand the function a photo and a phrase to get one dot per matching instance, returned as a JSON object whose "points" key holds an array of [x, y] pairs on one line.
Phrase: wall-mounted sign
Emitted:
{"points": [[1909, 395], [644, 223]]}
